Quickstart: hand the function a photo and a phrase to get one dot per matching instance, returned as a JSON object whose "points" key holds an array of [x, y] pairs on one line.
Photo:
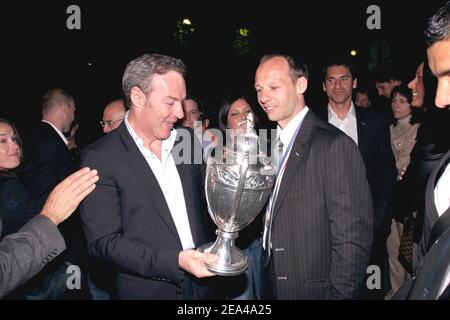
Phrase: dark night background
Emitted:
{"points": [[40, 53]]}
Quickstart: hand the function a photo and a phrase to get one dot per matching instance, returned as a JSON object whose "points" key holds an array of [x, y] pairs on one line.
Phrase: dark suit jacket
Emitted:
{"points": [[322, 228], [48, 162], [25, 253], [431, 214], [374, 143], [17, 206], [128, 223]]}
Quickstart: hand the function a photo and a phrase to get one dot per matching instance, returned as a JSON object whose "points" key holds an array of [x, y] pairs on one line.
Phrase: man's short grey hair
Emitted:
{"points": [[140, 71], [438, 26], [55, 98]]}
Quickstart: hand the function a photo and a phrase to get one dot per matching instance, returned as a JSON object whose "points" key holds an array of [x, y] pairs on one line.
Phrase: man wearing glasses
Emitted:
{"points": [[113, 115]]}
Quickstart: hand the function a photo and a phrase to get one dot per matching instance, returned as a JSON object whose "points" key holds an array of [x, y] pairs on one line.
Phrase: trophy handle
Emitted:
{"points": [[240, 188]]}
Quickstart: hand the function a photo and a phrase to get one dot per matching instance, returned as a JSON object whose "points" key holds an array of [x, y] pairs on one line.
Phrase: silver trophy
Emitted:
{"points": [[237, 189]]}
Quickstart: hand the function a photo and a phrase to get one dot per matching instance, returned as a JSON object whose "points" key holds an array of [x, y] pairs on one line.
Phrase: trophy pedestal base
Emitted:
{"points": [[232, 261]]}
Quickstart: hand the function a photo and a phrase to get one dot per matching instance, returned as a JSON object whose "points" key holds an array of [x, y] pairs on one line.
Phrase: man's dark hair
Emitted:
{"points": [[339, 61], [438, 28], [200, 105], [406, 92], [386, 73]]}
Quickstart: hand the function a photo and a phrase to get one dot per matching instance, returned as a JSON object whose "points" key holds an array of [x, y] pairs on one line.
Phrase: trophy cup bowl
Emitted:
{"points": [[236, 192]]}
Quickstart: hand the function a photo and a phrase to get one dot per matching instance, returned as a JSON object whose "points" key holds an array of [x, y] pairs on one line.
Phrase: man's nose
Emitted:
{"points": [[263, 97], [442, 99], [178, 111]]}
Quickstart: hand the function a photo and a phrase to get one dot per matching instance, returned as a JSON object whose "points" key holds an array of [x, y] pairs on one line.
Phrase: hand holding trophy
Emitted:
{"points": [[237, 189]]}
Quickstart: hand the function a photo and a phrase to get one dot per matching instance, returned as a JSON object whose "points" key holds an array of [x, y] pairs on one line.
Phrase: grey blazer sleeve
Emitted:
{"points": [[25, 253]]}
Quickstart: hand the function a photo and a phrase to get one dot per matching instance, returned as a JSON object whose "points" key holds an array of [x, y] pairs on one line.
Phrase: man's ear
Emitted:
{"points": [[137, 97], [355, 83], [301, 85], [323, 87]]}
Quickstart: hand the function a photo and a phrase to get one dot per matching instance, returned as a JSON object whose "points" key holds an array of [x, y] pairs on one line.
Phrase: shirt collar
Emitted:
{"points": [[404, 121], [167, 144], [350, 114], [288, 132], [63, 137]]}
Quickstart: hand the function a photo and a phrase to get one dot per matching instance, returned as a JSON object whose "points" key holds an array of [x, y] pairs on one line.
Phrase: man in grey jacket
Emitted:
{"points": [[25, 253]]}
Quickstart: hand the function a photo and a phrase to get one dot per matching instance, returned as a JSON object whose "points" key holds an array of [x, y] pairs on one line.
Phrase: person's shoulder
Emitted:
{"points": [[6, 182], [12, 191], [325, 128], [105, 149], [371, 116], [105, 143]]}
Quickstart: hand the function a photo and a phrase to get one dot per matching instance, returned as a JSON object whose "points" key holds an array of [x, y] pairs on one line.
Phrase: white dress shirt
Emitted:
{"points": [[442, 202], [63, 137], [285, 136], [347, 125], [442, 192], [169, 181]]}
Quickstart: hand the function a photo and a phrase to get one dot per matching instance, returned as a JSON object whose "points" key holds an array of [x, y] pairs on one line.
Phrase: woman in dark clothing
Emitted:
{"points": [[16, 204]]}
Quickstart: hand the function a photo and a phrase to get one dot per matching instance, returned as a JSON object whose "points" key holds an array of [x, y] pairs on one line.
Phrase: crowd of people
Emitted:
{"points": [[357, 185]]}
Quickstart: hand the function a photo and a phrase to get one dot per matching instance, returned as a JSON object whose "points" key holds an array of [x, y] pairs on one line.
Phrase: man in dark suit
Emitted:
{"points": [[318, 227], [437, 199], [370, 131], [49, 161], [147, 212], [48, 158]]}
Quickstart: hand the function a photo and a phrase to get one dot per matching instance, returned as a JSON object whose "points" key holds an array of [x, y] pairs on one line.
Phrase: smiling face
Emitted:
{"points": [[279, 95], [417, 87], [439, 61], [237, 115], [339, 85], [9, 148], [161, 107]]}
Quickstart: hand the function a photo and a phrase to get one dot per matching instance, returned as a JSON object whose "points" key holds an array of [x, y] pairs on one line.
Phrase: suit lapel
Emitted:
{"points": [[55, 136], [363, 133], [134, 159], [434, 178], [296, 157]]}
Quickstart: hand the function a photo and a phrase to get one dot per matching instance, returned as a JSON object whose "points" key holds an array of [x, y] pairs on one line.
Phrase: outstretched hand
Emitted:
{"points": [[68, 194]]}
